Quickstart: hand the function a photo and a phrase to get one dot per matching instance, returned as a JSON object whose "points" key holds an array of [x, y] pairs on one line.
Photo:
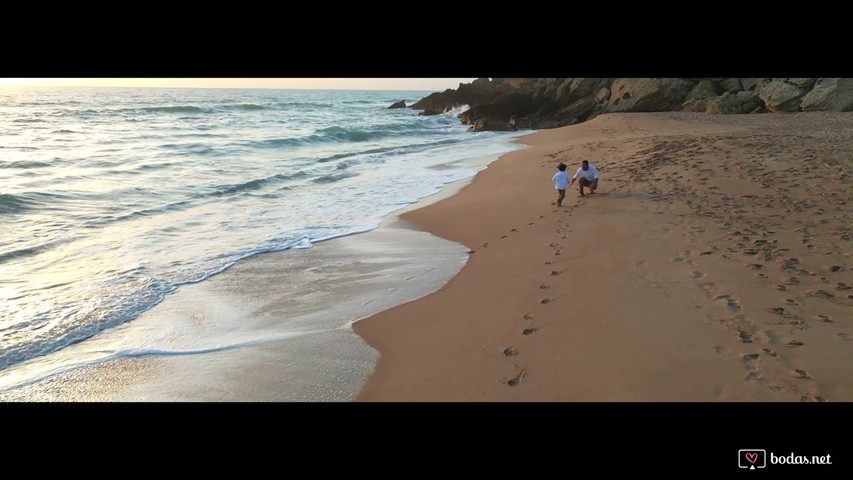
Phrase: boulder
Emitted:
{"points": [[492, 124], [647, 94], [547, 123], [479, 92], [781, 96], [829, 94], [734, 103], [578, 111], [750, 83], [729, 84], [439, 101], [575, 89], [503, 108], [400, 104], [805, 83], [561, 92], [698, 97]]}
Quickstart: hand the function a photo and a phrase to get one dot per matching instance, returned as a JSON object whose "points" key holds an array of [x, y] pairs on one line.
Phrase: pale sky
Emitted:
{"points": [[430, 84]]}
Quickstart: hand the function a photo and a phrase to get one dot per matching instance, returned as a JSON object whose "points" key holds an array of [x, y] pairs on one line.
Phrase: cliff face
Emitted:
{"points": [[537, 103]]}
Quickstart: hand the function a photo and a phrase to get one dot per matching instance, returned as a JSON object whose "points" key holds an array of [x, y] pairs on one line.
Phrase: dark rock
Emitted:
{"points": [[492, 124], [478, 92], [543, 124], [829, 94], [400, 104], [805, 83], [503, 108], [734, 103], [578, 111], [575, 89], [729, 84], [697, 99], [750, 83], [781, 96]]}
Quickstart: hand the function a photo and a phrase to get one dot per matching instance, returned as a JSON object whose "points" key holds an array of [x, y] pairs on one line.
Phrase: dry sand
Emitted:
{"points": [[712, 265]]}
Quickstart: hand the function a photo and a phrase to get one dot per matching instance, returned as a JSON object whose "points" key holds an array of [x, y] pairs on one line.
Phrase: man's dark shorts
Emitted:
{"points": [[593, 185]]}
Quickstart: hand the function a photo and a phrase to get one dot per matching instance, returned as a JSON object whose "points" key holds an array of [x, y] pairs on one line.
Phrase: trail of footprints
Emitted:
{"points": [[747, 332], [531, 326], [748, 223]]}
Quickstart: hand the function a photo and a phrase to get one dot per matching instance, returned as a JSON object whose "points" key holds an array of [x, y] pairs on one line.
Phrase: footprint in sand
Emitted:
{"points": [[769, 352], [794, 344], [731, 303], [510, 351], [529, 331], [516, 380], [750, 361], [544, 301], [527, 316], [812, 398], [543, 287], [799, 373]]}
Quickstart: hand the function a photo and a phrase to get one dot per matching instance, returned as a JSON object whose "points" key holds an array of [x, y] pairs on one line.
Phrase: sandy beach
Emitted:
{"points": [[713, 265]]}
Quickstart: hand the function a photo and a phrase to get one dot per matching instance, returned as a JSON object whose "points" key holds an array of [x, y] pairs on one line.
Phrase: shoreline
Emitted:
{"points": [[723, 277], [708, 281], [324, 361]]}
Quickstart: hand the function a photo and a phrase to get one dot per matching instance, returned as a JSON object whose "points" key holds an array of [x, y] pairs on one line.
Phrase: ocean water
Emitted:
{"points": [[112, 199]]}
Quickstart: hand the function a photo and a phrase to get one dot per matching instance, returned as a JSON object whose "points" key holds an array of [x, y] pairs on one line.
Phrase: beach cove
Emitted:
{"points": [[712, 265]]}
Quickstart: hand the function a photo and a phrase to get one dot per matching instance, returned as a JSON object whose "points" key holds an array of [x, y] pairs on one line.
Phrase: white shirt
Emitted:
{"points": [[590, 174], [561, 180]]}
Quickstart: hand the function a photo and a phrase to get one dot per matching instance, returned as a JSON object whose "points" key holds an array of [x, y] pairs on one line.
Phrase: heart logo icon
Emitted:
{"points": [[752, 457]]}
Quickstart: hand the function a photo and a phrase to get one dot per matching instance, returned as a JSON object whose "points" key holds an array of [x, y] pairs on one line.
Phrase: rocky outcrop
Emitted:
{"points": [[738, 102], [648, 94], [780, 95], [479, 92], [832, 94], [697, 99], [538, 103], [513, 104], [400, 104]]}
